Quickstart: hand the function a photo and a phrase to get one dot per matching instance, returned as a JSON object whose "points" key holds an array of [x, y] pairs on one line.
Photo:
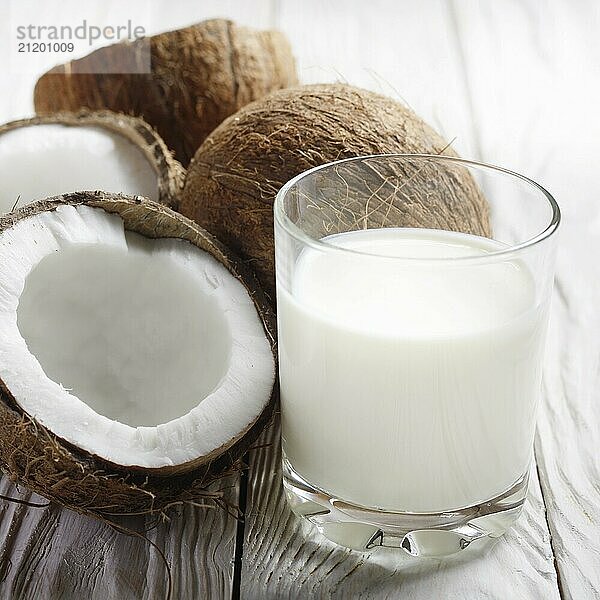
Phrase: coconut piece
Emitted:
{"points": [[67, 152], [200, 75], [137, 356], [236, 173]]}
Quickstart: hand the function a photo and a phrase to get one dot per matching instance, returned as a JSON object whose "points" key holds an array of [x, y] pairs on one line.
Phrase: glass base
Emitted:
{"points": [[418, 534]]}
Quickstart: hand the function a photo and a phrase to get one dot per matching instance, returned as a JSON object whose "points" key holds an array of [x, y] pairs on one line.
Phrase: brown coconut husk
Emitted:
{"points": [[236, 173], [33, 456], [199, 76], [169, 172]]}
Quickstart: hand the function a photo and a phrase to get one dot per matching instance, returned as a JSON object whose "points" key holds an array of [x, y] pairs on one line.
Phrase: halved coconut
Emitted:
{"points": [[137, 356], [68, 152]]}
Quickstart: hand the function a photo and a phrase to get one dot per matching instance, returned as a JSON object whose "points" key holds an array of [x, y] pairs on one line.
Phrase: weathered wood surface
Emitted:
{"points": [[516, 83], [54, 553], [538, 113], [287, 559]]}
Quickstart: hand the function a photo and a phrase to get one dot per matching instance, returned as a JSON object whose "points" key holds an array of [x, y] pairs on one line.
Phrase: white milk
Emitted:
{"points": [[409, 385]]}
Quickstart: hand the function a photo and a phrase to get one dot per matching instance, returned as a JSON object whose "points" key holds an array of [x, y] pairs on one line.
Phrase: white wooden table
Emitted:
{"points": [[518, 84]]}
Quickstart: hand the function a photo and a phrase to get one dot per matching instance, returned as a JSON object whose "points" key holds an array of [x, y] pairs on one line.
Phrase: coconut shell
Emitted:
{"points": [[33, 456], [199, 76], [169, 172], [236, 173]]}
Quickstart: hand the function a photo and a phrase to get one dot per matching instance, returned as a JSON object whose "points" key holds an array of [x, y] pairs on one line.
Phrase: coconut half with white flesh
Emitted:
{"points": [[137, 356], [66, 152]]}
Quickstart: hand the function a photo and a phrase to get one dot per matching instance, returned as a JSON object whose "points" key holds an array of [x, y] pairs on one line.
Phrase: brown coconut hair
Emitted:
{"points": [[236, 173]]}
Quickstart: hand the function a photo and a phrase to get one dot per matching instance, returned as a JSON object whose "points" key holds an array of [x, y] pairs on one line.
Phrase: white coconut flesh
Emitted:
{"points": [[143, 352], [38, 161]]}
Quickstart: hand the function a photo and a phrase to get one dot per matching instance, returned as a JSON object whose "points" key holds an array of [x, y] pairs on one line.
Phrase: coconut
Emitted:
{"points": [[137, 355], [200, 75], [67, 152], [236, 173]]}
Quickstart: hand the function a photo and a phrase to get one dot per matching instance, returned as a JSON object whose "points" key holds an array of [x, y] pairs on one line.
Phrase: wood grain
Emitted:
{"points": [[534, 79], [55, 553], [285, 558], [517, 83]]}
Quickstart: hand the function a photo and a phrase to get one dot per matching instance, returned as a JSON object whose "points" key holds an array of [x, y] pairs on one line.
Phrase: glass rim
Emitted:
{"points": [[300, 235]]}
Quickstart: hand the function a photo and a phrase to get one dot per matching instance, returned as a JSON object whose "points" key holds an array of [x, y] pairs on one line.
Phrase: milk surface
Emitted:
{"points": [[409, 384]]}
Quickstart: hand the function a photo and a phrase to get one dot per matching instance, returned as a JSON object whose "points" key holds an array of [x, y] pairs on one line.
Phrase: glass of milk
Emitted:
{"points": [[412, 296]]}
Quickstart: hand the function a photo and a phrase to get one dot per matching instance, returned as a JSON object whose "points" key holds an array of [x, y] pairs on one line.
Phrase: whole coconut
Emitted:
{"points": [[199, 76], [236, 173]]}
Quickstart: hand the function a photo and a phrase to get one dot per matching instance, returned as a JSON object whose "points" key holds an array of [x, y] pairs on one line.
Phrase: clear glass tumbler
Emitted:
{"points": [[413, 296]]}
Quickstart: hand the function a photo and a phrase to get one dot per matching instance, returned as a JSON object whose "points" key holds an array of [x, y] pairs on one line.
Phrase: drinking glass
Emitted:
{"points": [[413, 295]]}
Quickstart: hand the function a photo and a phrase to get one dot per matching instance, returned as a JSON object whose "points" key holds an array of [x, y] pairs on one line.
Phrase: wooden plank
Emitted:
{"points": [[55, 553], [536, 91], [417, 57]]}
